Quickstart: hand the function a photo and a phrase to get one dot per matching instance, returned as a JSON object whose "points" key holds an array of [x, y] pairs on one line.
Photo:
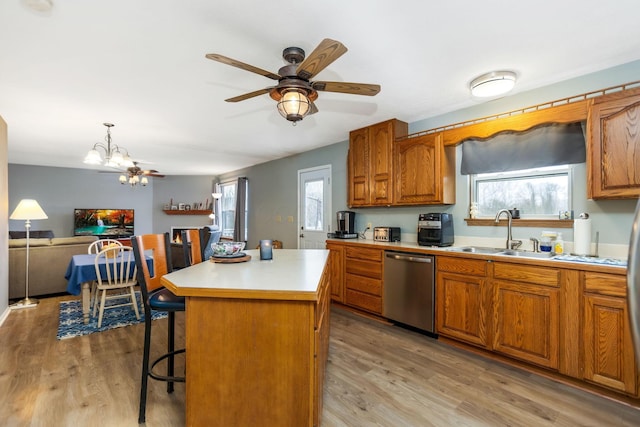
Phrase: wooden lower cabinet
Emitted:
{"points": [[608, 348], [526, 313], [463, 300]]}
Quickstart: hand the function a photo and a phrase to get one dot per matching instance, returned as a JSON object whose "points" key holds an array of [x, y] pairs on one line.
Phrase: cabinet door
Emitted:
{"points": [[418, 169], [462, 303], [381, 137], [608, 350], [614, 146], [336, 264], [526, 322], [424, 171], [358, 167]]}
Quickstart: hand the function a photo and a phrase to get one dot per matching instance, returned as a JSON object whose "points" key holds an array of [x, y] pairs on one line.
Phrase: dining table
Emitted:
{"points": [[81, 272]]}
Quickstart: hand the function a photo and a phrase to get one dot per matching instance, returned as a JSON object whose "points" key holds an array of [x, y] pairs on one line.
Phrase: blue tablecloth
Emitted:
{"points": [[81, 269]]}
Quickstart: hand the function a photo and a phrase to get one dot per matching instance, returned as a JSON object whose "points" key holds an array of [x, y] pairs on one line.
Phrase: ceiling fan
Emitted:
{"points": [[295, 92], [134, 175]]}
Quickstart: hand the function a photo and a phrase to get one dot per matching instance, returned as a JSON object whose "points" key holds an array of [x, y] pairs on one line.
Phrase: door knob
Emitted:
{"points": [[301, 235]]}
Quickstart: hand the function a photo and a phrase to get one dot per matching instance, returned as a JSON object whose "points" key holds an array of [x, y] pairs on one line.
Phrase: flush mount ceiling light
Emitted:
{"points": [[493, 84], [112, 155]]}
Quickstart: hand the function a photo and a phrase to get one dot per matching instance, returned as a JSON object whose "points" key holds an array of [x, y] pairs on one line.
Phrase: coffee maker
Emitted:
{"points": [[346, 228]]}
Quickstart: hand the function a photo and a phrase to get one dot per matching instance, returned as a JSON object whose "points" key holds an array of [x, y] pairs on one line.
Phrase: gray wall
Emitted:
{"points": [[60, 190], [185, 189]]}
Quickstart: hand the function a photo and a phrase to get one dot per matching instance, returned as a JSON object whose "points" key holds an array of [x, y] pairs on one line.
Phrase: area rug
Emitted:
{"points": [[71, 325]]}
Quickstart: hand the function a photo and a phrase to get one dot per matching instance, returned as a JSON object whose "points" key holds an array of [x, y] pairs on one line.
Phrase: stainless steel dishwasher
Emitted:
{"points": [[409, 291]]}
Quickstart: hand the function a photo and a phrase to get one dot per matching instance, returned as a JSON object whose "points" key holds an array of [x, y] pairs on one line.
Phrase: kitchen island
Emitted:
{"points": [[257, 339]]}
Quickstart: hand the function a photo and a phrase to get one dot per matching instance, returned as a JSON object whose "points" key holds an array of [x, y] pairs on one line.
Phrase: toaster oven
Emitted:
{"points": [[386, 234]]}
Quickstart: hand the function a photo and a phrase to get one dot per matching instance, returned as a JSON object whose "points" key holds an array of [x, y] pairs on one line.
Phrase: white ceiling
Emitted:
{"points": [[141, 65]]}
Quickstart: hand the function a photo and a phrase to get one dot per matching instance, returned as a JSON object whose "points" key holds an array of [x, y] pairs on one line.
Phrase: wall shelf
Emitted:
{"points": [[189, 212]]}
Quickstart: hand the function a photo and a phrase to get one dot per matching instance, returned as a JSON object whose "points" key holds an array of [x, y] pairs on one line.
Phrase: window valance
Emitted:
{"points": [[546, 145]]}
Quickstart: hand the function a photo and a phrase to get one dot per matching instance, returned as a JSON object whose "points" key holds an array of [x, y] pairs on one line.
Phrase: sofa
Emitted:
{"points": [[48, 262]]}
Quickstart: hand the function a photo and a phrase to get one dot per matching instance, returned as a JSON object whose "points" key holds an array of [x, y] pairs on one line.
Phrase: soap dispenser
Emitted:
{"points": [[558, 246]]}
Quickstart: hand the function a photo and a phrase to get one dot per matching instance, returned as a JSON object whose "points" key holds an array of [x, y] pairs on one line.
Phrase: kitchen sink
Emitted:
{"points": [[525, 254], [476, 250]]}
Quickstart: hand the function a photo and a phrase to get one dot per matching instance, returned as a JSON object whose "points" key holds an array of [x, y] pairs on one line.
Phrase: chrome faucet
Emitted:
{"points": [[536, 244], [511, 244]]}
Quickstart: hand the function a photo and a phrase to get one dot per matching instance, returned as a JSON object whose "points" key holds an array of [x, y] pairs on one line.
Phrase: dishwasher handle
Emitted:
{"points": [[409, 258]]}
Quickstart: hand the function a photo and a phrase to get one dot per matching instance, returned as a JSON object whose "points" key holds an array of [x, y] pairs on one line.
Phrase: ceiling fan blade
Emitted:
{"points": [[249, 95], [313, 109], [242, 65], [344, 87], [327, 51], [155, 175]]}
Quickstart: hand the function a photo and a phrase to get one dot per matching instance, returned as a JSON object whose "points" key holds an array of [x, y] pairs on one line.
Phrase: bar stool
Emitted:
{"points": [[193, 241], [156, 297]]}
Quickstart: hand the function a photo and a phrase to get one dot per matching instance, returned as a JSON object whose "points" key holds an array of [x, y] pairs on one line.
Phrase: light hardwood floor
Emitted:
{"points": [[377, 375]]}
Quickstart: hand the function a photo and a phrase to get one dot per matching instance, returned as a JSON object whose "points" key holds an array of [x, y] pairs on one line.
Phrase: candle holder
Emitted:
{"points": [[266, 250]]}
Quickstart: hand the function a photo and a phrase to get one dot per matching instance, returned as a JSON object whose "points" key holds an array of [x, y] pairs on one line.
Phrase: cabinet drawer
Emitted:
{"points": [[364, 268], [605, 284], [462, 266], [364, 253], [364, 284], [527, 274], [364, 301]]}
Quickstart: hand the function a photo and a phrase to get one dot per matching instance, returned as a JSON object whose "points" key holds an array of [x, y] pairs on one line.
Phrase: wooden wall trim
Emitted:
{"points": [[567, 110]]}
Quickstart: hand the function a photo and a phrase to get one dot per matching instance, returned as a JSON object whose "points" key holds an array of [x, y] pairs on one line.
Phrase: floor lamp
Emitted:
{"points": [[27, 209]]}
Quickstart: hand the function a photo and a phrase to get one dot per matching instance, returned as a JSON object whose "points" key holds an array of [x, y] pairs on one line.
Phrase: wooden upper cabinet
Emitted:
{"points": [[370, 163], [358, 167], [424, 171], [613, 146]]}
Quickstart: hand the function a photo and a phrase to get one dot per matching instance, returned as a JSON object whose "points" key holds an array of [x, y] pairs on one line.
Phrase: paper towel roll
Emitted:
{"points": [[582, 236]]}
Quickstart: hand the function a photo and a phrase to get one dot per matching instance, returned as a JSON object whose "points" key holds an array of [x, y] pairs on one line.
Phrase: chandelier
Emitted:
{"points": [[113, 157]]}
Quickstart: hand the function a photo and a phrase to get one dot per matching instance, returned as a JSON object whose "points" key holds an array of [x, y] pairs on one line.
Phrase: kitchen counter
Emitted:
{"points": [[257, 339], [563, 261]]}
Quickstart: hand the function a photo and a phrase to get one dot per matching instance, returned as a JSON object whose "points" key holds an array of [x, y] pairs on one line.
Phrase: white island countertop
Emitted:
{"points": [[292, 274]]}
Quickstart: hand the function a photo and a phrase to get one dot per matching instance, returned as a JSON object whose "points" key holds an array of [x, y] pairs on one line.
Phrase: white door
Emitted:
{"points": [[314, 207]]}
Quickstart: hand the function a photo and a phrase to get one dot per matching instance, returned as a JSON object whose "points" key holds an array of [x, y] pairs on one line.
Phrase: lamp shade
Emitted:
{"points": [[28, 209], [293, 105]]}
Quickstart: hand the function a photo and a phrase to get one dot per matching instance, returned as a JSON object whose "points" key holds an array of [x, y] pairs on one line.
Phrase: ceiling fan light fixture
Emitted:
{"points": [[493, 84], [123, 179], [294, 105], [144, 181]]}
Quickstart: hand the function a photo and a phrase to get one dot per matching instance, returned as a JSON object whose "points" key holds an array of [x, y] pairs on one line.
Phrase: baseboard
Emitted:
{"points": [[4, 315]]}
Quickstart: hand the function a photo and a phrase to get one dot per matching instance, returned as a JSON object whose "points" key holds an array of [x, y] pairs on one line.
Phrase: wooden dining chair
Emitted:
{"points": [[193, 245], [156, 297], [116, 271], [98, 245], [95, 248]]}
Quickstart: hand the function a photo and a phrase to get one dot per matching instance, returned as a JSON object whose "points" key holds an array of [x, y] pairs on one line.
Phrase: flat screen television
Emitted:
{"points": [[104, 223]]}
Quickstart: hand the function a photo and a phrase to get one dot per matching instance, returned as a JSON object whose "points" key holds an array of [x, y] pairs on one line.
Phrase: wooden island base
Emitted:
{"points": [[256, 357]]}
